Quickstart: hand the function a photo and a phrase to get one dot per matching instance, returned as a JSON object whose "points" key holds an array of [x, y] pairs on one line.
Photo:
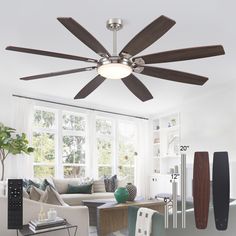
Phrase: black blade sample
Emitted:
{"points": [[221, 189], [173, 75], [83, 35], [148, 35], [51, 74], [183, 54], [137, 88], [90, 87], [50, 54]]}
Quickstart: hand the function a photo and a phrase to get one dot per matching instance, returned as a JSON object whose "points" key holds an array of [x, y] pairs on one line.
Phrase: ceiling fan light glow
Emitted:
{"points": [[114, 70]]}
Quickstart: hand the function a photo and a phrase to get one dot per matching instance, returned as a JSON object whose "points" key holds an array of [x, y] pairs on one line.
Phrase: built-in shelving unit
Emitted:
{"points": [[165, 132]]}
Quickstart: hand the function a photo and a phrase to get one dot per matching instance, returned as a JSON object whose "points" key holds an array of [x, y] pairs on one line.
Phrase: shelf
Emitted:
{"points": [[156, 130], [156, 144], [172, 128]]}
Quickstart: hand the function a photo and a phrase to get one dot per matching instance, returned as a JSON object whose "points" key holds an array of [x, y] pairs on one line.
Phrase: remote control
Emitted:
{"points": [[15, 204]]}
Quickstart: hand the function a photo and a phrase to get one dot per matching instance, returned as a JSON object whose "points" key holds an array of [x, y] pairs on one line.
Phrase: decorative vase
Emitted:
{"points": [[132, 190], [121, 195]]}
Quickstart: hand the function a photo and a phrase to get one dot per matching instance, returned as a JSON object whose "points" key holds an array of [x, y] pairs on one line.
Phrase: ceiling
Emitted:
{"points": [[33, 24]]}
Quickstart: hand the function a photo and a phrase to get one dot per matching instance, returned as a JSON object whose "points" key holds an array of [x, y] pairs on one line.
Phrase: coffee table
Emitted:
{"points": [[92, 207], [112, 216]]}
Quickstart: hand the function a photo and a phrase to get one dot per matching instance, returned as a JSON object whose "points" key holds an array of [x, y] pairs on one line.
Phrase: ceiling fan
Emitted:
{"points": [[121, 66]]}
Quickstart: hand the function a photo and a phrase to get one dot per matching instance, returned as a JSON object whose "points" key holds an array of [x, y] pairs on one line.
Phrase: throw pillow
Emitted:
{"points": [[35, 193], [61, 185], [32, 183], [51, 196], [44, 185], [110, 183], [25, 194], [85, 188], [99, 186]]}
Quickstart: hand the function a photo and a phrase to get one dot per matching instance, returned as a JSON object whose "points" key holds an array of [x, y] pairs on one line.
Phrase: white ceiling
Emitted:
{"points": [[33, 24]]}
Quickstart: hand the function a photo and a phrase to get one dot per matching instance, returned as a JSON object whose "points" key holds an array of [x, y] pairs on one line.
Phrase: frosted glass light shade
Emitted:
{"points": [[114, 70]]}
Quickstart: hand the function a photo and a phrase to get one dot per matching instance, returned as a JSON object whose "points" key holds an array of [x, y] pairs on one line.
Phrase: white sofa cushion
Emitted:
{"points": [[76, 199]]}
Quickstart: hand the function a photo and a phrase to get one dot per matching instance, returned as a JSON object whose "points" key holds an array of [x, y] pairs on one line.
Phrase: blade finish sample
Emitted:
{"points": [[201, 189], [221, 189]]}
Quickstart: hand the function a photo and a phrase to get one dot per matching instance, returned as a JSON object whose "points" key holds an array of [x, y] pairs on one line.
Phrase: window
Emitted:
{"points": [[44, 141], [59, 139], [126, 150], [74, 140], [116, 148], [104, 135]]}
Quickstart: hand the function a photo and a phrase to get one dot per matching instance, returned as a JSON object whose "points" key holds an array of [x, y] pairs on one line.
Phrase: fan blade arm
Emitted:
{"points": [[83, 35], [182, 54], [137, 88], [148, 36], [90, 87], [173, 75], [50, 54], [52, 74]]}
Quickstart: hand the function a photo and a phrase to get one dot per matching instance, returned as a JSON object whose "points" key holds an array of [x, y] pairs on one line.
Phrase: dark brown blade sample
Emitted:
{"points": [[90, 87], [51, 74], [83, 35], [173, 75], [148, 35], [201, 189], [50, 54], [137, 88], [183, 54]]}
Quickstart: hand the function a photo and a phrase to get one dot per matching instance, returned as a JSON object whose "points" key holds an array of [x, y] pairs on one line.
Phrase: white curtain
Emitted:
{"points": [[21, 166], [142, 160]]}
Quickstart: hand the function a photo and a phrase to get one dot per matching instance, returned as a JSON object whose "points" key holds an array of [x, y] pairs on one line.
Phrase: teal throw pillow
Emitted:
{"points": [[86, 188]]}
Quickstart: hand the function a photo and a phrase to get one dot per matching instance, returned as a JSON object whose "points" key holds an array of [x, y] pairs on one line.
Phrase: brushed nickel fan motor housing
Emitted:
{"points": [[121, 67]]}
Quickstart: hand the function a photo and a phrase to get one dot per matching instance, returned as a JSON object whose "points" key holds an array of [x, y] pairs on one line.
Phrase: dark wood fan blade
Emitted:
{"points": [[148, 35], [183, 54], [174, 75], [83, 35], [137, 88], [90, 87], [51, 74], [50, 54]]}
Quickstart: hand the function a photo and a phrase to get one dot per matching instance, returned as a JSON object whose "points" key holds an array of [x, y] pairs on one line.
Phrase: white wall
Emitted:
{"points": [[208, 123]]}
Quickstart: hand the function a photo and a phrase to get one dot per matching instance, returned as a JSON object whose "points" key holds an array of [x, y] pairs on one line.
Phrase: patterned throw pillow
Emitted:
{"points": [[110, 183], [44, 185], [99, 186]]}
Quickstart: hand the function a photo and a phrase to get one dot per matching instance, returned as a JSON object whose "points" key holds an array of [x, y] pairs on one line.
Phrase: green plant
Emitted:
{"points": [[12, 143]]}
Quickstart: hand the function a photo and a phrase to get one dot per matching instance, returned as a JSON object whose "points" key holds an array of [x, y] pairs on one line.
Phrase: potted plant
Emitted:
{"points": [[11, 143]]}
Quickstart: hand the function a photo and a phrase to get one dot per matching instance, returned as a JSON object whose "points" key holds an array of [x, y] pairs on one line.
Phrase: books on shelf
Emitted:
{"points": [[42, 226]]}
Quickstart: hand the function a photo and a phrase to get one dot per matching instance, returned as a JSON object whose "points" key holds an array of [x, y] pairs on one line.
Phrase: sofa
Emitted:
{"points": [[159, 230], [76, 199], [77, 215]]}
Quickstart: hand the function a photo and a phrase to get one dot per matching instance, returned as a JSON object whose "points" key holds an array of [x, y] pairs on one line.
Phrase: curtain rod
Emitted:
{"points": [[81, 107]]}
